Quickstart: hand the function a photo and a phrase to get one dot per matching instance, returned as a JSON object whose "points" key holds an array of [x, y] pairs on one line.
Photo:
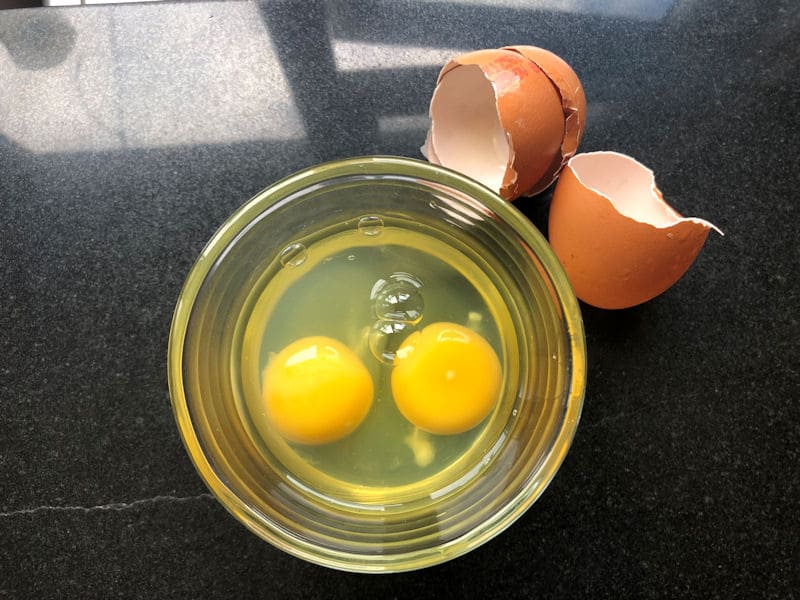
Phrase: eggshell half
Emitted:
{"points": [[618, 241], [497, 117], [573, 103]]}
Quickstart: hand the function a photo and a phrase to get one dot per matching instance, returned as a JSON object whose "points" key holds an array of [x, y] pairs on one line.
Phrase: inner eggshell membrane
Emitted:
{"points": [[464, 119], [623, 181]]}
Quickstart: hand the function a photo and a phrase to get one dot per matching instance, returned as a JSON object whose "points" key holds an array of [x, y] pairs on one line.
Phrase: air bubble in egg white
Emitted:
{"points": [[399, 298], [293, 255], [370, 225], [386, 337]]}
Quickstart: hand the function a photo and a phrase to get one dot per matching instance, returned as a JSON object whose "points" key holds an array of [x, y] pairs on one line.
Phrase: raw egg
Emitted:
{"points": [[316, 390], [446, 378], [619, 242], [509, 118]]}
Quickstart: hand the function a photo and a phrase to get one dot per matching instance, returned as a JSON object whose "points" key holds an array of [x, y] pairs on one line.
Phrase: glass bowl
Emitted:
{"points": [[220, 337]]}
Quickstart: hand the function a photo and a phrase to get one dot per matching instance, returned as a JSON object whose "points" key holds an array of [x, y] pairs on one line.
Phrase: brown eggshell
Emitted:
{"points": [[618, 241], [498, 118], [573, 102]]}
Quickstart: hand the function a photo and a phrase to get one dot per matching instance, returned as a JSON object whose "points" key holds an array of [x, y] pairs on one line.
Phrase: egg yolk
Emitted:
{"points": [[316, 390], [446, 378]]}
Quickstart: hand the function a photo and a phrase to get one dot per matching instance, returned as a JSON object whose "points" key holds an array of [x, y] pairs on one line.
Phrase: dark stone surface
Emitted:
{"points": [[128, 134]]}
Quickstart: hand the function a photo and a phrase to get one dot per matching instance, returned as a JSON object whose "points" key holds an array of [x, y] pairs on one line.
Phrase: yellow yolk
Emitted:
{"points": [[316, 390], [446, 378]]}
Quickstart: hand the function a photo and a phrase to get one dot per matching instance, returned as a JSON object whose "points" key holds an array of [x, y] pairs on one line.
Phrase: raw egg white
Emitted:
{"points": [[509, 118], [619, 242]]}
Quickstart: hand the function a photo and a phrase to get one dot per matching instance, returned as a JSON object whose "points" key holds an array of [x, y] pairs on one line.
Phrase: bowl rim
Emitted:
{"points": [[377, 165]]}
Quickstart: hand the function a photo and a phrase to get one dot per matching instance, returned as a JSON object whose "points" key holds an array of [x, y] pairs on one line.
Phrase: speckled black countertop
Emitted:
{"points": [[128, 133]]}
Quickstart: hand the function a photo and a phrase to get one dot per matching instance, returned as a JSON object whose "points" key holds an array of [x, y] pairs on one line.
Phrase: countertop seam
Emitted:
{"points": [[117, 506]]}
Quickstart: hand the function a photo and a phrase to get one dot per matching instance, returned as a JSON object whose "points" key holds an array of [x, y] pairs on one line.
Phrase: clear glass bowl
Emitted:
{"points": [[526, 442]]}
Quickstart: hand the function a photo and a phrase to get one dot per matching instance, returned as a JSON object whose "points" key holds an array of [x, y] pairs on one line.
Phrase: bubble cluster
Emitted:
{"points": [[398, 305]]}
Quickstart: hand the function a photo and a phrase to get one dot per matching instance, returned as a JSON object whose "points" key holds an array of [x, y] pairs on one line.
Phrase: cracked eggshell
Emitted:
{"points": [[498, 118], [573, 103], [619, 242]]}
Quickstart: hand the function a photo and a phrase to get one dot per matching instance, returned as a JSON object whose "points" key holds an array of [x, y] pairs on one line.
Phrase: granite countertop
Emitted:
{"points": [[128, 133]]}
